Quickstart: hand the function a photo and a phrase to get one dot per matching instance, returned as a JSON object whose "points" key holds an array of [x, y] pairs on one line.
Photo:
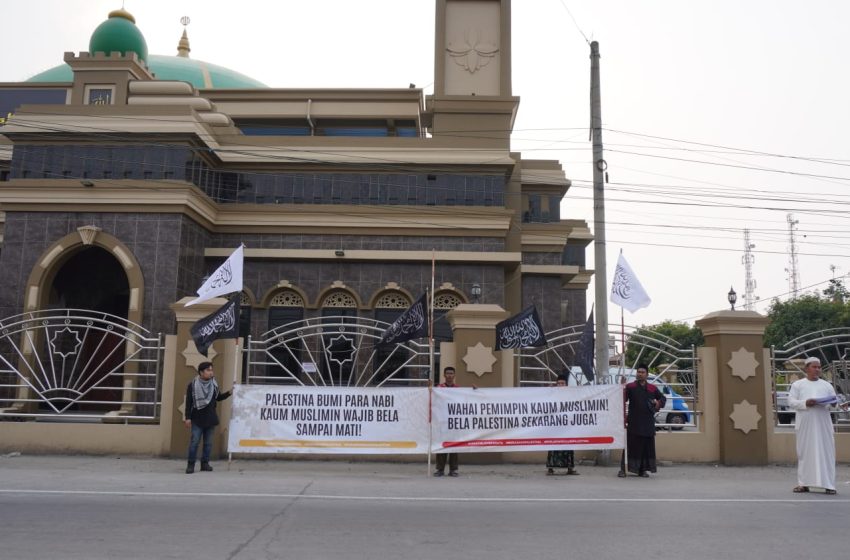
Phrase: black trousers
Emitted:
{"points": [[441, 461]]}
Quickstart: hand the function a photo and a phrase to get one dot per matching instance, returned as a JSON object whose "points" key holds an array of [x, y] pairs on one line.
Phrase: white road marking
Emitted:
{"points": [[800, 500]]}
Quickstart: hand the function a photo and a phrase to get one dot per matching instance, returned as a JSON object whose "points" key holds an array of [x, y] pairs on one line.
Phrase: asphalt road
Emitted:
{"points": [[142, 508]]}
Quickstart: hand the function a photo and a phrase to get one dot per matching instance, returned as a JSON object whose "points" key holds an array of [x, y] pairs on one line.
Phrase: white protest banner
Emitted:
{"points": [[527, 419], [351, 420]]}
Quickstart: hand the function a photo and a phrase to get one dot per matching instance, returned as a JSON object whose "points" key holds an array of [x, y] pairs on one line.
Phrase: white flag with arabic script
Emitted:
{"points": [[225, 280], [626, 289]]}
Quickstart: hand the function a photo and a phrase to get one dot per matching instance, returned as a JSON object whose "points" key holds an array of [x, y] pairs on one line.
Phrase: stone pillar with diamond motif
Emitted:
{"points": [[221, 354], [475, 360], [743, 376]]}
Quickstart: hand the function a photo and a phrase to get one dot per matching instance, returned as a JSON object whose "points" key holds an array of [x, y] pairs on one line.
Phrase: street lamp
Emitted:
{"points": [[476, 293], [732, 297]]}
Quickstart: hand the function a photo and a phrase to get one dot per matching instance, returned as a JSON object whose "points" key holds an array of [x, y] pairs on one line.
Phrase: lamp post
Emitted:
{"points": [[732, 297], [476, 293]]}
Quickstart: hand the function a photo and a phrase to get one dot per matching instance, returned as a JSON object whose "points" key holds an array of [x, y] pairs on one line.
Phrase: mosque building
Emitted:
{"points": [[127, 177]]}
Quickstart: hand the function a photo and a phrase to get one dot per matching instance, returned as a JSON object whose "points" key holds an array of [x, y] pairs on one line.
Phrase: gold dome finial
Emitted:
{"points": [[122, 13], [183, 46]]}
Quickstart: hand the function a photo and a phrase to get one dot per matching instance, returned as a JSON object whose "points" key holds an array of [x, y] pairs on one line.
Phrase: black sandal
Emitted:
{"points": [[800, 489]]}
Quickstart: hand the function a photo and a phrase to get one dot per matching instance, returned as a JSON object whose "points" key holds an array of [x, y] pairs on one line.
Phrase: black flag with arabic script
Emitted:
{"points": [[584, 355], [222, 323], [411, 324], [520, 331]]}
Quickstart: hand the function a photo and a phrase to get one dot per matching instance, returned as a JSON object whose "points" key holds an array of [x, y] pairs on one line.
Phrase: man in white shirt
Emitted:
{"points": [[810, 398]]}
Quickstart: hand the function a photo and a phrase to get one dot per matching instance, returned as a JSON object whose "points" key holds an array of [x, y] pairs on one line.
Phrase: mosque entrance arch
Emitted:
{"points": [[78, 349], [92, 280]]}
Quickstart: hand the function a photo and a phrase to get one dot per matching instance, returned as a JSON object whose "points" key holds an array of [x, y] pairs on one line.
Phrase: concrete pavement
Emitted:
{"points": [[137, 507]]}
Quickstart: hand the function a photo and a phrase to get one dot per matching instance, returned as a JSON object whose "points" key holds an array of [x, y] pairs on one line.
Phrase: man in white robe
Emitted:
{"points": [[810, 398]]}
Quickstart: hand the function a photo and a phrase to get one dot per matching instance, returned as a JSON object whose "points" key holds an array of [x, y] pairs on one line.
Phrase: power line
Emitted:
{"points": [[760, 300], [825, 161], [734, 166], [572, 17]]}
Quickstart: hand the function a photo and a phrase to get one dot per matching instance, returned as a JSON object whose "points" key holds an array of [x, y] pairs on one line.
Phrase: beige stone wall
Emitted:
{"points": [[94, 439]]}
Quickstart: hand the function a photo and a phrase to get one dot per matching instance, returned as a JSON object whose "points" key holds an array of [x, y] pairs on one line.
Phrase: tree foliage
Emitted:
{"points": [[683, 336], [807, 313]]}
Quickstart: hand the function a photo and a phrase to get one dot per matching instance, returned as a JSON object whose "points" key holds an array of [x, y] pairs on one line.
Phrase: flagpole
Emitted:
{"points": [[430, 428], [232, 387], [431, 353], [626, 443], [431, 318], [622, 374], [235, 366], [622, 342]]}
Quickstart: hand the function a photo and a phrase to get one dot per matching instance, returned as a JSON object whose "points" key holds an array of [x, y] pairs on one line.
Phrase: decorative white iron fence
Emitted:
{"points": [[832, 347], [78, 364], [335, 351], [670, 365]]}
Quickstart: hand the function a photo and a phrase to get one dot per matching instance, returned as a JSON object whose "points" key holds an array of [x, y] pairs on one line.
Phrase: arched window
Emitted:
{"points": [[244, 328], [339, 308], [287, 298], [245, 304], [339, 299], [286, 307], [389, 360], [444, 302], [392, 300]]}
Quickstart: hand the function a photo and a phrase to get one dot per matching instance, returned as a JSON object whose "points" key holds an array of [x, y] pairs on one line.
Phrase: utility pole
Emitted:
{"points": [[600, 262], [793, 266], [749, 282]]}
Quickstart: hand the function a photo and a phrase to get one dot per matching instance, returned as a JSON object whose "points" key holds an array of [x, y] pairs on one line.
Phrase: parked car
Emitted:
{"points": [[784, 413], [675, 411]]}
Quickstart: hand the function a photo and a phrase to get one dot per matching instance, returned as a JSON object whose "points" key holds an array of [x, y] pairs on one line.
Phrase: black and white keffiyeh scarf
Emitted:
{"points": [[203, 391]]}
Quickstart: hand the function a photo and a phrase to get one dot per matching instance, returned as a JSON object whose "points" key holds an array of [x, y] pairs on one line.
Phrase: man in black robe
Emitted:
{"points": [[643, 400]]}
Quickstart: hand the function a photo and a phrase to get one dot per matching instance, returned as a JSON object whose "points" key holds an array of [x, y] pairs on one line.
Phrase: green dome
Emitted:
{"points": [[119, 34], [200, 74]]}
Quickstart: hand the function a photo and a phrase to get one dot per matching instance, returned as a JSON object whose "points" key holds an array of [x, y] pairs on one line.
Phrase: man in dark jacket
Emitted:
{"points": [[449, 376], [202, 394], [644, 400]]}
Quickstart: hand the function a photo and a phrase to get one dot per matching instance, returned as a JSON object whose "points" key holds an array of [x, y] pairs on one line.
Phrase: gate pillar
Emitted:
{"points": [[474, 334], [224, 355], [473, 355], [743, 373]]}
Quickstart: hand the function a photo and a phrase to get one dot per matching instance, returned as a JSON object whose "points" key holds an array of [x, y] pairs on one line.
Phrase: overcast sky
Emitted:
{"points": [[719, 115]]}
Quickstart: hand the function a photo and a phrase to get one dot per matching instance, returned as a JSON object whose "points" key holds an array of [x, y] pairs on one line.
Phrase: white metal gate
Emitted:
{"points": [[832, 347], [673, 366], [78, 364], [335, 351]]}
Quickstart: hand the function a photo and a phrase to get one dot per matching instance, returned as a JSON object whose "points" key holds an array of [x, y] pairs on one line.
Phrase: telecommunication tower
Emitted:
{"points": [[749, 282], [793, 266]]}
